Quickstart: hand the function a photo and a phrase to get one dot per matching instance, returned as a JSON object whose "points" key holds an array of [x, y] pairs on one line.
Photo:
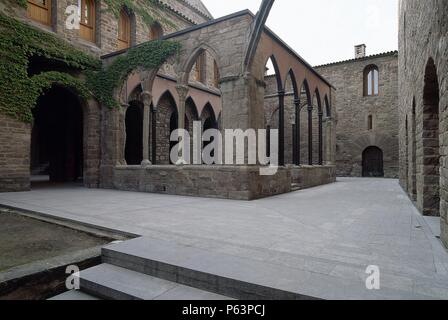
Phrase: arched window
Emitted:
{"points": [[87, 23], [40, 11], [201, 68], [155, 31], [124, 30], [371, 81], [216, 75]]}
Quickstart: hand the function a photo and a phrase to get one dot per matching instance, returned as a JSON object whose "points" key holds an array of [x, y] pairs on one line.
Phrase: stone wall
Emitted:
{"points": [[15, 141], [228, 182], [423, 81], [353, 108], [312, 176], [171, 20]]}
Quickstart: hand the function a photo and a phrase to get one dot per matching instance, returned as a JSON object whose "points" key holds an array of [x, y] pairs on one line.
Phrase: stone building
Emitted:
{"points": [[423, 101], [366, 100], [216, 78]]}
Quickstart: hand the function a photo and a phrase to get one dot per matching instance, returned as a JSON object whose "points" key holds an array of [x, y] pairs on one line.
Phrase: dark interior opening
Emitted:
{"points": [[57, 137]]}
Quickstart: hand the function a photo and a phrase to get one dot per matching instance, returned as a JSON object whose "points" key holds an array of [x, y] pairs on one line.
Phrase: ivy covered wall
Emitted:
{"points": [[19, 43]]}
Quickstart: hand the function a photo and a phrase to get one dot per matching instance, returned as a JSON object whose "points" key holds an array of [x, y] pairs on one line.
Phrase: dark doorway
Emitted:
{"points": [[174, 124], [57, 137], [134, 134], [372, 163]]}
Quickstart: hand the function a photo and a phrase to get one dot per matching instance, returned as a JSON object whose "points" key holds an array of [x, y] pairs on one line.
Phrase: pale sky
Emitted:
{"points": [[324, 31]]}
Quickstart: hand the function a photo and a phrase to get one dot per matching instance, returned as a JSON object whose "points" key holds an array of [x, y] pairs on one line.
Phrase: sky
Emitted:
{"points": [[324, 31]]}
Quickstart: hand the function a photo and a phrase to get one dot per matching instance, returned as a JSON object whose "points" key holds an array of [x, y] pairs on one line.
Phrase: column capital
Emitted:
{"points": [[146, 97], [281, 93], [182, 91], [310, 108], [297, 102]]}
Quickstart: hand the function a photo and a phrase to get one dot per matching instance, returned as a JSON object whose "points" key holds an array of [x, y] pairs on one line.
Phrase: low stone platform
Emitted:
{"points": [[330, 234], [225, 182]]}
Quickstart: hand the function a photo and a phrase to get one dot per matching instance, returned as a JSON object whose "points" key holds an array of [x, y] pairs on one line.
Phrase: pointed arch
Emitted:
{"points": [[327, 107], [429, 193], [276, 70], [167, 116], [187, 65]]}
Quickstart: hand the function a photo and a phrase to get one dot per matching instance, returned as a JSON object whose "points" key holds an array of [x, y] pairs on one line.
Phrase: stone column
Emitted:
{"points": [[146, 98], [329, 155], [310, 135], [281, 127], [182, 92], [297, 139], [321, 157], [154, 134]]}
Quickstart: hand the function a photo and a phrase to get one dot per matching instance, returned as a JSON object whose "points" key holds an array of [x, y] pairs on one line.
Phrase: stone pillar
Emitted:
{"points": [[310, 135], [154, 134], [329, 141], [297, 139], [321, 160], [182, 91], [146, 98], [281, 127]]}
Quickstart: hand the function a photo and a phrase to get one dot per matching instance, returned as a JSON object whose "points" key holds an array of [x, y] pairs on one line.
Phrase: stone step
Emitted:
{"points": [[74, 295], [223, 274], [116, 283], [296, 187], [237, 277]]}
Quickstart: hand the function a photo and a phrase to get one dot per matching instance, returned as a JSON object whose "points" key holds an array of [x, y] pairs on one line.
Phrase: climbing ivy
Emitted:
{"points": [[19, 90], [18, 44], [148, 55]]}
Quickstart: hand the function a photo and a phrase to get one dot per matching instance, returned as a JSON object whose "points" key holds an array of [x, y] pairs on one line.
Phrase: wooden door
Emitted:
{"points": [[40, 11], [372, 163]]}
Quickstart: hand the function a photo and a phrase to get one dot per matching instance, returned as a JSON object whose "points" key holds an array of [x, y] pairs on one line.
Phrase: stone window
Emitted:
{"points": [[201, 68], [124, 30], [155, 31], [88, 20], [370, 122], [216, 75], [371, 81], [40, 11]]}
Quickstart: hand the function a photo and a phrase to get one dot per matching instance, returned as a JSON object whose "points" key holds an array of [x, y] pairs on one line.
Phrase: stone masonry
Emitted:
{"points": [[353, 132], [423, 102]]}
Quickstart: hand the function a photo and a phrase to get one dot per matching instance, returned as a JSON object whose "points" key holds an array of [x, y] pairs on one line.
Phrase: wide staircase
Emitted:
{"points": [[148, 269]]}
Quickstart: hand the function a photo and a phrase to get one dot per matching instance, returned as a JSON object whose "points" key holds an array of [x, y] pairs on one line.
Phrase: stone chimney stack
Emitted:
{"points": [[360, 51]]}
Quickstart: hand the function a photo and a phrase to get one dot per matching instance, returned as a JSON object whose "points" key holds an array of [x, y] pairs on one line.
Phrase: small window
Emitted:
{"points": [[87, 24], [40, 11], [371, 81], [200, 68], [155, 31], [124, 30], [216, 74], [370, 123]]}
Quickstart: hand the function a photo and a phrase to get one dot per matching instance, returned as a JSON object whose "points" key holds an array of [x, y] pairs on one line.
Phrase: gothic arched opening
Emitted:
{"points": [[134, 134], [431, 146], [372, 163], [57, 137]]}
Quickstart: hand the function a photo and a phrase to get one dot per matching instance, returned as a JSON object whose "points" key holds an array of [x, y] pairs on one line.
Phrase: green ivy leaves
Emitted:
{"points": [[148, 55], [19, 91]]}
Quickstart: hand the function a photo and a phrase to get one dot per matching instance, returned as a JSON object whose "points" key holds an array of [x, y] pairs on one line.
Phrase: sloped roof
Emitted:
{"points": [[378, 55], [199, 6]]}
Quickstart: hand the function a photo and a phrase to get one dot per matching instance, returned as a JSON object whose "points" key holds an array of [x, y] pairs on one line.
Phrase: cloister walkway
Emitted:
{"points": [[334, 231]]}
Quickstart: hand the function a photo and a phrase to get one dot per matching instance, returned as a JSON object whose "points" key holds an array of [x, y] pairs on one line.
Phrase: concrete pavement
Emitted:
{"points": [[336, 230]]}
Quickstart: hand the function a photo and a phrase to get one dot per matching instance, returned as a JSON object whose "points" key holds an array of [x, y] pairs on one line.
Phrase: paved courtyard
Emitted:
{"points": [[334, 231]]}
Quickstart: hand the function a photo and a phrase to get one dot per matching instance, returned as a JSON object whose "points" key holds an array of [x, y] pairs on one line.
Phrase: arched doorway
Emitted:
{"points": [[57, 137], [430, 194], [372, 162], [134, 134]]}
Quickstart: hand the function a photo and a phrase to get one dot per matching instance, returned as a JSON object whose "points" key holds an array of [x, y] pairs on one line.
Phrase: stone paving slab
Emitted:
{"points": [[337, 230]]}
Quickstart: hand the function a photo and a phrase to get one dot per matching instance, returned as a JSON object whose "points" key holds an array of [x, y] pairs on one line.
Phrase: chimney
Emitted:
{"points": [[360, 51]]}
